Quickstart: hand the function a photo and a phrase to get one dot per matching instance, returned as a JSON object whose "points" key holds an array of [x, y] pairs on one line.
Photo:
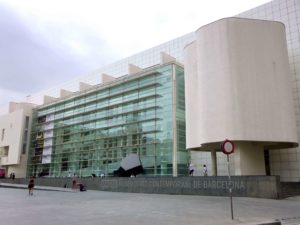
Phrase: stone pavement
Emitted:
{"points": [[43, 188], [57, 206]]}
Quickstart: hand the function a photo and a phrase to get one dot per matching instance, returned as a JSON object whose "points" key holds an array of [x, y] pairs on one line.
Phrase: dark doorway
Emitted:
{"points": [[267, 162]]}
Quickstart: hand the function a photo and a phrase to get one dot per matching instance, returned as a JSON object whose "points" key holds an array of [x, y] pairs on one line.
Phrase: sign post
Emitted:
{"points": [[228, 148]]}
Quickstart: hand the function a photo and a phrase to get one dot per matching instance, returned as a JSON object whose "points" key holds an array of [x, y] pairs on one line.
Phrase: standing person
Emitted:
{"points": [[30, 186], [73, 183], [204, 170], [191, 169]]}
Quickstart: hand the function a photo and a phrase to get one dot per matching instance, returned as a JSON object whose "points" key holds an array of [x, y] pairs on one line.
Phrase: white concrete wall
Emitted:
{"points": [[243, 84], [238, 87], [249, 158], [13, 132], [199, 158], [286, 162], [14, 125], [191, 83], [19, 169]]}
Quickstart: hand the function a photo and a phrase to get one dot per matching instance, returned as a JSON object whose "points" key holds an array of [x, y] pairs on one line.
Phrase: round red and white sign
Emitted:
{"points": [[227, 147]]}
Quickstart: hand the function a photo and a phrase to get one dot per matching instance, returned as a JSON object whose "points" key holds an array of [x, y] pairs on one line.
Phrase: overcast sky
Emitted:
{"points": [[45, 43]]}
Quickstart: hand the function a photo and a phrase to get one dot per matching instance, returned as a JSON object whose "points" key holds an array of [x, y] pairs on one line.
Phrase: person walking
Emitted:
{"points": [[204, 170], [191, 169], [30, 186]]}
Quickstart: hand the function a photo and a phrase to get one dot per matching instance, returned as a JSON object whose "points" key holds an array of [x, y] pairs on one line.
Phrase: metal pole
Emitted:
{"points": [[229, 185]]}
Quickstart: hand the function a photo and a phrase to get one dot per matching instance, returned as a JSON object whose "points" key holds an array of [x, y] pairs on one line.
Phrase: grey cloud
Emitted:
{"points": [[29, 63]]}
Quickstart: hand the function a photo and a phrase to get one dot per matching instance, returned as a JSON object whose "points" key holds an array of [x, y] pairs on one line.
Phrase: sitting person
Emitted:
{"points": [[82, 187]]}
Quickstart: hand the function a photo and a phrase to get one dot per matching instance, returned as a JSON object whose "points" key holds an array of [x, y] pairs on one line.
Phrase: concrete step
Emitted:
{"points": [[290, 221], [289, 189]]}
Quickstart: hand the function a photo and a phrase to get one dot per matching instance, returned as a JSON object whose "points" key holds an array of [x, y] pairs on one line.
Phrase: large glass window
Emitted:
{"points": [[92, 133]]}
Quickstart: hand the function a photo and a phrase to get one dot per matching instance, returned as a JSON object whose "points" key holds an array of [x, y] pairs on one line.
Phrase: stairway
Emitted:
{"points": [[289, 189]]}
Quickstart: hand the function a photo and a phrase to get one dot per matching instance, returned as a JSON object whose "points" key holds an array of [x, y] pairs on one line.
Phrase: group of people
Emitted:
{"points": [[192, 170], [12, 176], [76, 184]]}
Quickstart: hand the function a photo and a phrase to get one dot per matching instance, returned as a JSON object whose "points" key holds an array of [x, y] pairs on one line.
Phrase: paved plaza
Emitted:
{"points": [[115, 208]]}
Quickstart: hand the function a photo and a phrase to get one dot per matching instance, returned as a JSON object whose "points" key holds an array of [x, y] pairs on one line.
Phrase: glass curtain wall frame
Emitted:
{"points": [[182, 154], [91, 133]]}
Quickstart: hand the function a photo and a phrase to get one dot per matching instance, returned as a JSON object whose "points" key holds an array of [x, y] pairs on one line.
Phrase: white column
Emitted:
{"points": [[249, 158], [214, 167]]}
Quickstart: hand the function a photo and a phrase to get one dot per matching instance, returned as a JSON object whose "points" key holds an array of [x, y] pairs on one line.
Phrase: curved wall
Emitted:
{"points": [[238, 84], [191, 84]]}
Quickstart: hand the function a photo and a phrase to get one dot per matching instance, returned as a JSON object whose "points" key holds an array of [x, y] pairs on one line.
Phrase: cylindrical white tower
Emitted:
{"points": [[240, 89]]}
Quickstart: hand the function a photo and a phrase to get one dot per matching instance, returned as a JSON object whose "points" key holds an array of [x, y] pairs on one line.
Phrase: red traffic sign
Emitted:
{"points": [[227, 147]]}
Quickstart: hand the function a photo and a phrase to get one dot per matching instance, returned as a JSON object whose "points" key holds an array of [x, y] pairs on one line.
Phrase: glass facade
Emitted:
{"points": [[91, 132]]}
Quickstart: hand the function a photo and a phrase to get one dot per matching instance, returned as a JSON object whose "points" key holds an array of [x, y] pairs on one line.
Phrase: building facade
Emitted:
{"points": [[285, 162], [14, 143], [237, 71], [91, 131], [282, 161]]}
